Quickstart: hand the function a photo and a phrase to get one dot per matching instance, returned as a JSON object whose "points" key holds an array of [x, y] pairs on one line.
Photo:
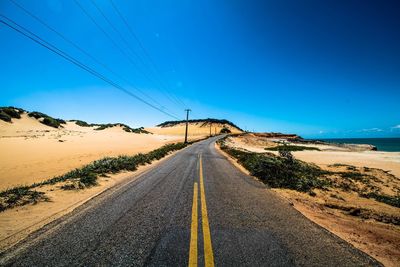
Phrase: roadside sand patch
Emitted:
{"points": [[32, 152], [379, 240], [366, 223], [329, 154], [17, 223], [389, 161]]}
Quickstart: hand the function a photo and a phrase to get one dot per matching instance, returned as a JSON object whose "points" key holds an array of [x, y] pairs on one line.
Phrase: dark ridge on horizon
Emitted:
{"points": [[205, 121]]}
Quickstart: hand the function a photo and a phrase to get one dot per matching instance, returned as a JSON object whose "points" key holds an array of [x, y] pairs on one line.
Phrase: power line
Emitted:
{"points": [[132, 33], [117, 31], [82, 50], [109, 38], [22, 30], [157, 80], [145, 51], [112, 40]]}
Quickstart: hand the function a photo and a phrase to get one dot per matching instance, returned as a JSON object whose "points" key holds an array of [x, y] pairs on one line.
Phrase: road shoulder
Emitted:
{"points": [[18, 223], [331, 222]]}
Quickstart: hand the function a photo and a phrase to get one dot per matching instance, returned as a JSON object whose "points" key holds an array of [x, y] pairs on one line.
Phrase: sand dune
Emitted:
{"points": [[32, 152], [195, 129]]}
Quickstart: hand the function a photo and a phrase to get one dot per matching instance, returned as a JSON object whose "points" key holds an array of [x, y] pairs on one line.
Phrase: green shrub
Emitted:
{"points": [[225, 130], [5, 117], [355, 176], [86, 180], [104, 126], [203, 121], [291, 148], [20, 196], [281, 172], [85, 176], [390, 200], [114, 165], [51, 122], [12, 112], [287, 155], [287, 172], [125, 127], [89, 180], [83, 123], [47, 120], [100, 127], [8, 113], [37, 115], [135, 130], [339, 165], [366, 213]]}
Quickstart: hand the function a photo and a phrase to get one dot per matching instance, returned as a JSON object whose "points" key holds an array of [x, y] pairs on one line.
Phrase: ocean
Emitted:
{"points": [[382, 144]]}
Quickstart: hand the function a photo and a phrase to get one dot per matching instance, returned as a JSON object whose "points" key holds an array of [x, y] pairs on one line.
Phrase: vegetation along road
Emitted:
{"points": [[194, 208]]}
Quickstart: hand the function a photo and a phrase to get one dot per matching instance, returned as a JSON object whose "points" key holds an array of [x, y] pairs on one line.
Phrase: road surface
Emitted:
{"points": [[194, 208]]}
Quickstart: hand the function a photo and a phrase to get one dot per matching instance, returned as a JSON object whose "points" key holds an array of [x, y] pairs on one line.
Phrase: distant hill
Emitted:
{"points": [[197, 128], [278, 135], [204, 122], [8, 114]]}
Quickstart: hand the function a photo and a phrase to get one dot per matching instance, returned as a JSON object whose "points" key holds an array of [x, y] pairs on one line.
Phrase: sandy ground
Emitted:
{"points": [[331, 209], [389, 161], [17, 223], [379, 240], [32, 152]]}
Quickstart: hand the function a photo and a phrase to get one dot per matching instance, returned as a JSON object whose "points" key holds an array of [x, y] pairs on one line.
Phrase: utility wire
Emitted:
{"points": [[112, 40], [157, 80], [145, 51], [22, 30], [82, 50], [117, 31]]}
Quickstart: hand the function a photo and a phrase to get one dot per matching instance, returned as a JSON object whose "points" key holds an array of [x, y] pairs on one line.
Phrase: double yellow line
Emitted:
{"points": [[208, 252]]}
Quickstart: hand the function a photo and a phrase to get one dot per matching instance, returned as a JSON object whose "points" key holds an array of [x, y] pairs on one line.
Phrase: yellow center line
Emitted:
{"points": [[208, 252], [194, 229]]}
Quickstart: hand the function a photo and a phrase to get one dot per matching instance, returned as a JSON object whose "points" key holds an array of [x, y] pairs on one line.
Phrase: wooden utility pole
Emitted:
{"points": [[210, 129], [187, 121]]}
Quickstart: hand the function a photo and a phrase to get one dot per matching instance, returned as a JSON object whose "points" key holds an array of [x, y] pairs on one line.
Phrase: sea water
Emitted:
{"points": [[382, 144]]}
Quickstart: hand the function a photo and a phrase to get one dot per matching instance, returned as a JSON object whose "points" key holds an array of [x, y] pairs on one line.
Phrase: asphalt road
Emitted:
{"points": [[194, 207]]}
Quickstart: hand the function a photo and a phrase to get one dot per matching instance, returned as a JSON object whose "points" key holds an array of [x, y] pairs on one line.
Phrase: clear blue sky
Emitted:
{"points": [[316, 68]]}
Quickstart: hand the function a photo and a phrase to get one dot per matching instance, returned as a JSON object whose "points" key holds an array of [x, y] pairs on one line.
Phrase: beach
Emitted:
{"points": [[388, 161]]}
